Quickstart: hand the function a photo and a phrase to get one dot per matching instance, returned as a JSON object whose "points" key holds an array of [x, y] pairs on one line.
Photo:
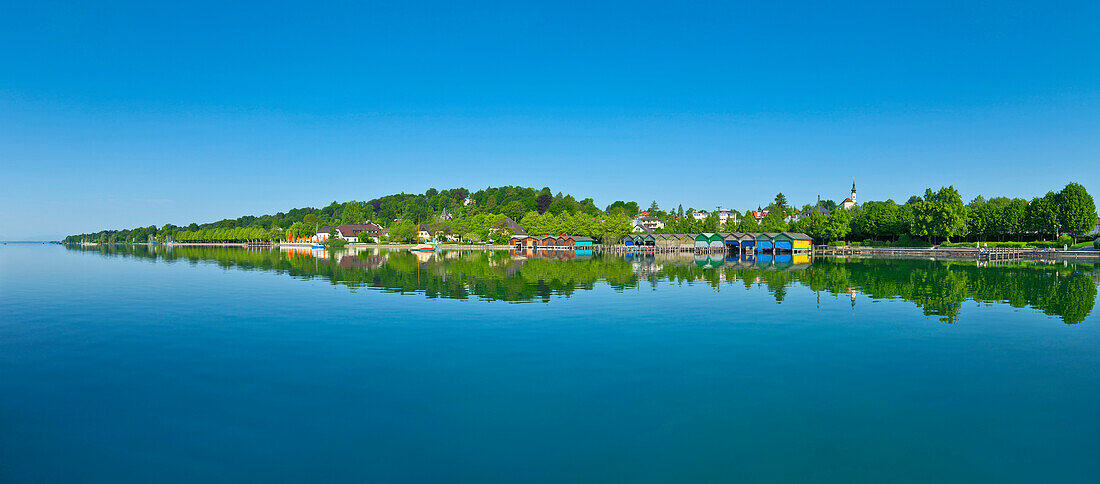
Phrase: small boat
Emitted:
{"points": [[423, 248], [318, 246]]}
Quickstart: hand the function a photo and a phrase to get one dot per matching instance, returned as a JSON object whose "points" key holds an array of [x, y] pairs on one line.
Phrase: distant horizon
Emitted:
{"points": [[127, 117]]}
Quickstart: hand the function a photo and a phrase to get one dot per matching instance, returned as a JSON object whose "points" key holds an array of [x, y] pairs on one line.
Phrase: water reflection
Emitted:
{"points": [[939, 288]]}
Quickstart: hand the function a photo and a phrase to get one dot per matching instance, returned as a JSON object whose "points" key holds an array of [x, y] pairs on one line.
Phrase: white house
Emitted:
{"points": [[647, 224], [724, 215]]}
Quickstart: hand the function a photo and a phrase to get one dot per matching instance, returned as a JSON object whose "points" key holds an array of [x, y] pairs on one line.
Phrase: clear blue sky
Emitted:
{"points": [[114, 115]]}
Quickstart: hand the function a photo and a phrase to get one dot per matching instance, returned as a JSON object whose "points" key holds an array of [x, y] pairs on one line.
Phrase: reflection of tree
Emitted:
{"points": [[939, 288], [1072, 298], [938, 293]]}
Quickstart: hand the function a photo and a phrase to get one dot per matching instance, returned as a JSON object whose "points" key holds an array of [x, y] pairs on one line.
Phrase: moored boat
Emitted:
{"points": [[423, 248]]}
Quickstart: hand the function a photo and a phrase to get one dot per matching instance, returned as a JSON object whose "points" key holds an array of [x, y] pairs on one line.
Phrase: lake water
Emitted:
{"points": [[220, 364]]}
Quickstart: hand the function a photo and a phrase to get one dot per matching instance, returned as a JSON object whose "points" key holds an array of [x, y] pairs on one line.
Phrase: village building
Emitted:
{"points": [[850, 201], [647, 224], [349, 232], [512, 226], [759, 214], [808, 213], [725, 215]]}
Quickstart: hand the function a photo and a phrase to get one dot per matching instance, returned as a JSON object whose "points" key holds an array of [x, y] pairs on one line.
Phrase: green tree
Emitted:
{"points": [[1042, 214], [837, 226], [403, 231], [748, 223], [629, 209], [1076, 210], [780, 204], [773, 222], [940, 214], [352, 213]]}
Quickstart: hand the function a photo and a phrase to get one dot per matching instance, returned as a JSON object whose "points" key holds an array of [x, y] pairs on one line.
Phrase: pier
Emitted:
{"points": [[968, 253]]}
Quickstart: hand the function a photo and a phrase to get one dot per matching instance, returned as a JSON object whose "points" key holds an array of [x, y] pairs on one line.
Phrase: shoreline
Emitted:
{"points": [[947, 253], [954, 253]]}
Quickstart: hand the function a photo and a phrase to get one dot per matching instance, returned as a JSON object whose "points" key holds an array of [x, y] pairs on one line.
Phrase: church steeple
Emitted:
{"points": [[853, 190]]}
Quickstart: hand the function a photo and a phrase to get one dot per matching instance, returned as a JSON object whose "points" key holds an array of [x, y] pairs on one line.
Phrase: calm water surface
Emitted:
{"points": [[216, 364]]}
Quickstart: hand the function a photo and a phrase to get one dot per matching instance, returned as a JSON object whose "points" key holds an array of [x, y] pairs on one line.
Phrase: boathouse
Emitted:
{"points": [[765, 242], [783, 242], [686, 241], [748, 242], [801, 240], [582, 242], [732, 240], [702, 241], [716, 241], [665, 241]]}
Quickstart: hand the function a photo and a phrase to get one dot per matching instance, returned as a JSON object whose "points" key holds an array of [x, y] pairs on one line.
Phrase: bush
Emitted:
{"points": [[1014, 245], [1096, 243], [907, 241], [1064, 240], [335, 242]]}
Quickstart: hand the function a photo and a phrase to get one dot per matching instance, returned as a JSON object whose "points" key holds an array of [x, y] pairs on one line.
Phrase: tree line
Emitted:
{"points": [[941, 215], [938, 215], [402, 212]]}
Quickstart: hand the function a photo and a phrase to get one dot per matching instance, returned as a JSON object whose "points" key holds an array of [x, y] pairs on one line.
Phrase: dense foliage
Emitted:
{"points": [[400, 211], [941, 216], [937, 216]]}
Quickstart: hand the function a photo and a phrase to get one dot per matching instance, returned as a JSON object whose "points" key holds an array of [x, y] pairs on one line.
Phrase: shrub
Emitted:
{"points": [[1096, 243], [1014, 245], [335, 242], [1064, 240]]}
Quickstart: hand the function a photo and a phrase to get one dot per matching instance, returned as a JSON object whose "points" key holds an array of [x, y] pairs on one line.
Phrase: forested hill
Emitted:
{"points": [[513, 201]]}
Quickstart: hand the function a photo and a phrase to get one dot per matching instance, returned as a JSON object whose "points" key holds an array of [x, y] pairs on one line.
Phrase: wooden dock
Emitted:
{"points": [[652, 249], [968, 253]]}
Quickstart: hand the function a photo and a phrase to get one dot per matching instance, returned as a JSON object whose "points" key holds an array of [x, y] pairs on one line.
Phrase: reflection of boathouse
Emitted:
{"points": [[550, 242]]}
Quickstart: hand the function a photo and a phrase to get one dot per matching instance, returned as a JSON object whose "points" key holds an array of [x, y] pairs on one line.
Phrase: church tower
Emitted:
{"points": [[850, 201]]}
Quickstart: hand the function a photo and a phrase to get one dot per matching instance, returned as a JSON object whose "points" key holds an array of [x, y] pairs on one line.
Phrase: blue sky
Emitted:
{"points": [[114, 115]]}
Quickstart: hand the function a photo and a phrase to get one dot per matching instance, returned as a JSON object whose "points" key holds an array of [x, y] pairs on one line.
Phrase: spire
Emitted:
{"points": [[853, 186]]}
